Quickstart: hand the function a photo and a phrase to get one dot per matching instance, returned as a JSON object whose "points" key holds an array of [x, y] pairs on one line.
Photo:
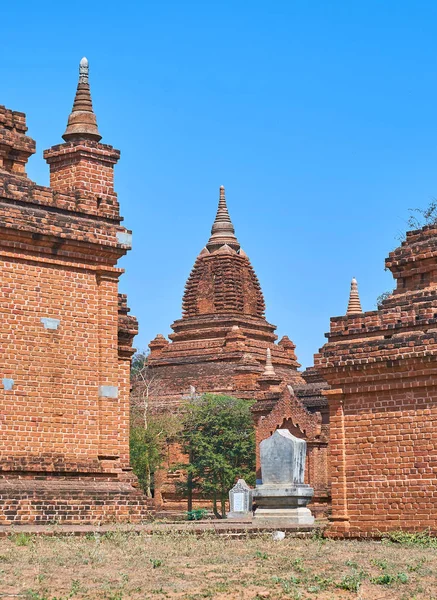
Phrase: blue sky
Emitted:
{"points": [[319, 117]]}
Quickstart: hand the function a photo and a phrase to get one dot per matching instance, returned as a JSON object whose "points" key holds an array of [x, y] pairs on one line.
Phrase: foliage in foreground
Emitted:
{"points": [[423, 539], [151, 431], [218, 436], [121, 565]]}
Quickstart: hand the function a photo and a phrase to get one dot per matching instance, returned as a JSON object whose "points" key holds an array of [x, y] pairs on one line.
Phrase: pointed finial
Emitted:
{"points": [[222, 231], [354, 306], [269, 370], [82, 122], [83, 70]]}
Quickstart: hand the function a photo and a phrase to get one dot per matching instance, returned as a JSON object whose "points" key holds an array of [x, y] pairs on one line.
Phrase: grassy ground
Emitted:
{"points": [[118, 566]]}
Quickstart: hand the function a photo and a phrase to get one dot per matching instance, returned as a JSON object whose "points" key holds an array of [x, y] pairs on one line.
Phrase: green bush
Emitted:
{"points": [[197, 514]]}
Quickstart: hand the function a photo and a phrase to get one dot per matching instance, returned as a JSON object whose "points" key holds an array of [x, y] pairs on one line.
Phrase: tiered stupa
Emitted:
{"points": [[220, 343]]}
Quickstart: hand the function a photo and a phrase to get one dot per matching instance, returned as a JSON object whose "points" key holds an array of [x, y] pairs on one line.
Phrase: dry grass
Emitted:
{"points": [[121, 565]]}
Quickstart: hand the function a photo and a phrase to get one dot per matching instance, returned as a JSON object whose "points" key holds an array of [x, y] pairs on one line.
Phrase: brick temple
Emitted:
{"points": [[66, 335], [223, 344], [382, 369]]}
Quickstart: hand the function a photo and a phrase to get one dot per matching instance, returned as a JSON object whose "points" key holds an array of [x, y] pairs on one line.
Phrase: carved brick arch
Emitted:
{"points": [[292, 428], [289, 413], [292, 412]]}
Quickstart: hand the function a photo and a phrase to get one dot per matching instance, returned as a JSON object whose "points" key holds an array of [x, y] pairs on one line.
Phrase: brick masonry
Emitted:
{"points": [[381, 366], [66, 337]]}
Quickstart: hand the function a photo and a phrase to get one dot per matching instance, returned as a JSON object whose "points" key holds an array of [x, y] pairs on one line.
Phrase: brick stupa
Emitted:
{"points": [[219, 345], [66, 341], [223, 344]]}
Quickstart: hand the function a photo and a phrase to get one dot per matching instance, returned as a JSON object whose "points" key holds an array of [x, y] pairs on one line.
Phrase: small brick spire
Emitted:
{"points": [[222, 231], [269, 370], [82, 122], [354, 306]]}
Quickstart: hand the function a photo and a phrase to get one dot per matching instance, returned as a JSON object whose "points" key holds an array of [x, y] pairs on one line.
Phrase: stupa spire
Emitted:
{"points": [[269, 370], [354, 306], [82, 122], [222, 231]]}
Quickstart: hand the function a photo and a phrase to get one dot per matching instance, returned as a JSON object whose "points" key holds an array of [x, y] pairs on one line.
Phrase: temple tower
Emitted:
{"points": [[66, 332], [223, 344], [219, 345]]}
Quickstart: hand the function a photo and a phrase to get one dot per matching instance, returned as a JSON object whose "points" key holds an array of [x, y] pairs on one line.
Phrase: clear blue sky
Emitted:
{"points": [[319, 117]]}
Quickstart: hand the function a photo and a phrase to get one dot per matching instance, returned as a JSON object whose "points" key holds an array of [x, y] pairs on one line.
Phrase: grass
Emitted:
{"points": [[127, 565]]}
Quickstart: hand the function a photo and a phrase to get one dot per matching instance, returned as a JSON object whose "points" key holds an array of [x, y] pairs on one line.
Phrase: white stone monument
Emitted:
{"points": [[240, 501], [283, 495]]}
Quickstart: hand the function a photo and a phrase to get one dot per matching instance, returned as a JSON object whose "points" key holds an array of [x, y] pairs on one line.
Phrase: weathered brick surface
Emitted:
{"points": [[66, 337], [383, 405]]}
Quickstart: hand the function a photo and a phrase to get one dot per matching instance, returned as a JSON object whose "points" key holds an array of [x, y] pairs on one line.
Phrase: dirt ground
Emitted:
{"points": [[122, 565]]}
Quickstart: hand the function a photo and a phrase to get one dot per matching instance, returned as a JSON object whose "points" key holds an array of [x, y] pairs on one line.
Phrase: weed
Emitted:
{"points": [[156, 562], [114, 596], [385, 579], [197, 514], [314, 589], [351, 563], [323, 582], [75, 587], [423, 539], [318, 535], [297, 565], [381, 564], [402, 577], [417, 566], [352, 581], [263, 555], [287, 584], [23, 539]]}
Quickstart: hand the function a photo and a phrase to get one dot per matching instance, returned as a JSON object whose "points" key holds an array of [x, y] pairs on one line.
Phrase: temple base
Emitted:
{"points": [[284, 516], [70, 502]]}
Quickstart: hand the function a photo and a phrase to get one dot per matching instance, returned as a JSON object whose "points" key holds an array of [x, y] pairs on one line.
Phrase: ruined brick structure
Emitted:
{"points": [[219, 346], [66, 336], [382, 369]]}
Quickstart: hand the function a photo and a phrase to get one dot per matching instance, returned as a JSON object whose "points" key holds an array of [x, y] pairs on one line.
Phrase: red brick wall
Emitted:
{"points": [[385, 458]]}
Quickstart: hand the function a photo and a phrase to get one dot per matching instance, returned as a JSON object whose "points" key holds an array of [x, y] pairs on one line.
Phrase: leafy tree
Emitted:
{"points": [[218, 436], [151, 430], [148, 446]]}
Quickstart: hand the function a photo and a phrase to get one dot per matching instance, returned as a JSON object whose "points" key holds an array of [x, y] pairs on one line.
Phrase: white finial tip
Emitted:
{"points": [[83, 70], [222, 187], [354, 280]]}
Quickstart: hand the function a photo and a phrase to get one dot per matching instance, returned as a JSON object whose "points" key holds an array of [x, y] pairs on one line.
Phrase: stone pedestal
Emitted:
{"points": [[240, 501], [283, 496], [283, 503]]}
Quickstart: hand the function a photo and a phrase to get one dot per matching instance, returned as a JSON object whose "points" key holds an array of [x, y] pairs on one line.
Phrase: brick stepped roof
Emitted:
{"points": [[405, 325], [222, 279]]}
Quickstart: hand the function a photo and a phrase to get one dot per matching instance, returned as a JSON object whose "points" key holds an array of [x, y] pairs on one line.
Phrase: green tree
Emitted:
{"points": [[148, 446], [218, 435], [152, 428]]}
